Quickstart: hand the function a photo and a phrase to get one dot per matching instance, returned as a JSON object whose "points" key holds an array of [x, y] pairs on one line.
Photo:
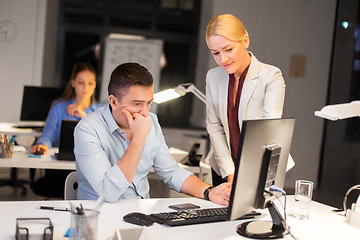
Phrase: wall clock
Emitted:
{"points": [[8, 31]]}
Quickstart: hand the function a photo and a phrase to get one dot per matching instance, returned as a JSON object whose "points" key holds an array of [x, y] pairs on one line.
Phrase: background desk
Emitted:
{"points": [[21, 160], [323, 224], [48, 161]]}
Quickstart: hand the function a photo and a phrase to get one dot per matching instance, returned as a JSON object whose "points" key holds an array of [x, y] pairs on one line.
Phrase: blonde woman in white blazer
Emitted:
{"points": [[260, 95]]}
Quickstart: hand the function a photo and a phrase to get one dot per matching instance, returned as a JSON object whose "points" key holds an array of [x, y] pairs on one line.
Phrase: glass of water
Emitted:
{"points": [[303, 196]]}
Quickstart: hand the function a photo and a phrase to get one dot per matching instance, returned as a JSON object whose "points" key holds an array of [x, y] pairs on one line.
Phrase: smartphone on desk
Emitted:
{"points": [[184, 206]]}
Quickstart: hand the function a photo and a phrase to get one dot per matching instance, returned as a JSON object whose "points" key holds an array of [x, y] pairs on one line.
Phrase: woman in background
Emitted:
{"points": [[76, 102], [241, 88]]}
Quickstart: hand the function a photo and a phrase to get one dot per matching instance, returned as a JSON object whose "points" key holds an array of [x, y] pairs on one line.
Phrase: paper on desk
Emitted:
{"points": [[19, 148], [130, 234], [290, 163], [177, 154]]}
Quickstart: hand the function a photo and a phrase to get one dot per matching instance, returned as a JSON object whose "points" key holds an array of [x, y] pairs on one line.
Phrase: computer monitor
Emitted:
{"points": [[263, 152], [36, 102], [66, 141]]}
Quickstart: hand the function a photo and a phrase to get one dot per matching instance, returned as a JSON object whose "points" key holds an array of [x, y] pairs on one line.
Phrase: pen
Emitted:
{"points": [[34, 156], [53, 208], [3, 141], [4, 138], [12, 139]]}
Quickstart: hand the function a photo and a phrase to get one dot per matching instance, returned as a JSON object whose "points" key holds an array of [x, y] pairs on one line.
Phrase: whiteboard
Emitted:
{"points": [[146, 52]]}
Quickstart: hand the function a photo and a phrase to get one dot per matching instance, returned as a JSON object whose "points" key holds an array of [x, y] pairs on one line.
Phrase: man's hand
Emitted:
{"points": [[221, 194], [74, 110], [139, 125]]}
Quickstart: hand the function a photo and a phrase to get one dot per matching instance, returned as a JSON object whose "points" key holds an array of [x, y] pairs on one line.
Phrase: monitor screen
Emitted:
{"points": [[66, 142], [262, 158], [36, 102]]}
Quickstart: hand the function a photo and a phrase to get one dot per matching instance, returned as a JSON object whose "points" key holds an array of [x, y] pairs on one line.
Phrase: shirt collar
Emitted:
{"points": [[109, 119]]}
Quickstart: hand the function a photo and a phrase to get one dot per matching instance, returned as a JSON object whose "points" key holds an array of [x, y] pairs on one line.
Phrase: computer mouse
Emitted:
{"points": [[138, 219], [39, 152]]}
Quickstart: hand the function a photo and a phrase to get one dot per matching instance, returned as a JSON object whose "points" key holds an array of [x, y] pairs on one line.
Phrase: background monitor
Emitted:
{"points": [[66, 141], [262, 158], [36, 102]]}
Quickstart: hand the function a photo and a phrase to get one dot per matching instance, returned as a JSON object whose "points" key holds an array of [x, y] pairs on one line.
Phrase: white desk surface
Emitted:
{"points": [[49, 161], [21, 159], [323, 224]]}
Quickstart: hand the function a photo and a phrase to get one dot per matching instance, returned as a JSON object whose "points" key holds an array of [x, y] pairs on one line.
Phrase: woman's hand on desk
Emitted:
{"points": [[221, 194], [39, 148]]}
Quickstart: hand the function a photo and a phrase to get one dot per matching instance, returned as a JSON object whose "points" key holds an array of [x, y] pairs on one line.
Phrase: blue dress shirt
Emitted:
{"points": [[99, 145], [51, 133]]}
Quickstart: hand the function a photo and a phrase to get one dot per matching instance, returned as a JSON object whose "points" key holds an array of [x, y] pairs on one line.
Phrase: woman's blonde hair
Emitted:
{"points": [[226, 25]]}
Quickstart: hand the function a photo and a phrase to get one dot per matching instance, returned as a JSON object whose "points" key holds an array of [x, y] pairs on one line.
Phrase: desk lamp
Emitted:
{"points": [[338, 112], [180, 91]]}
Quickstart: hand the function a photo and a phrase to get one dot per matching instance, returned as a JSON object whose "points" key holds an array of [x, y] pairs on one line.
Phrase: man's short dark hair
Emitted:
{"points": [[126, 75]]}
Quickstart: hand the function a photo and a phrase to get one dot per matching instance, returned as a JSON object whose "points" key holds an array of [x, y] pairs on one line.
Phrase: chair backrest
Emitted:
{"points": [[71, 187]]}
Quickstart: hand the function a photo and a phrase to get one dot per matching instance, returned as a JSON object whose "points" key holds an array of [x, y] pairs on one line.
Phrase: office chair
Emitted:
{"points": [[51, 185], [71, 187]]}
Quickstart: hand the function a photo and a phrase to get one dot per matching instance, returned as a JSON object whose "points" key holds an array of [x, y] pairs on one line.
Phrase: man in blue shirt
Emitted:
{"points": [[117, 145]]}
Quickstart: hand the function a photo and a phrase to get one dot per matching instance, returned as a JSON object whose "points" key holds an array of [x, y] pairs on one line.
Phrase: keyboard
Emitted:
{"points": [[187, 217]]}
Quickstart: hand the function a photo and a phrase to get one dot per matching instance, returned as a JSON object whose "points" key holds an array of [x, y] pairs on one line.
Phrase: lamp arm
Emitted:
{"points": [[197, 93], [189, 87]]}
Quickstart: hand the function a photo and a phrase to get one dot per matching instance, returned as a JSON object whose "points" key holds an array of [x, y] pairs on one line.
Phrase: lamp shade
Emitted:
{"points": [[165, 95], [178, 91], [340, 111]]}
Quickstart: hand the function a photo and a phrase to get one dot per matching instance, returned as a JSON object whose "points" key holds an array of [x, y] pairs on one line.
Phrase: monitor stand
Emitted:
{"points": [[265, 229]]}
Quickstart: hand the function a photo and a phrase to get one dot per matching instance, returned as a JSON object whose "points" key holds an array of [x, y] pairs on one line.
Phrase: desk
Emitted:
{"points": [[21, 160], [323, 224], [49, 161], [25, 136]]}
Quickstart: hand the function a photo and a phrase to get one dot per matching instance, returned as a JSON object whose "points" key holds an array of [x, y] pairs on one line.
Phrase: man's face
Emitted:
{"points": [[137, 99]]}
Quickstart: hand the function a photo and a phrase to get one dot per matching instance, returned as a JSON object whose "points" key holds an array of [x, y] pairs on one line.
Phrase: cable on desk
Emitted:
{"points": [[277, 189], [356, 187]]}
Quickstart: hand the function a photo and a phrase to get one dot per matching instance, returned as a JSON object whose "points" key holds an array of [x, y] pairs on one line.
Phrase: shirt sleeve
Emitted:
{"points": [[165, 165], [51, 132]]}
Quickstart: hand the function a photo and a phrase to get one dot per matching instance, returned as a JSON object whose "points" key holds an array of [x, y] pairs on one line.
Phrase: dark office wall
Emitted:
{"points": [[341, 150]]}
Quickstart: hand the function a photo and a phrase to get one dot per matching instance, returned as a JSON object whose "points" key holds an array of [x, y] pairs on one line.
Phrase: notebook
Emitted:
{"points": [[66, 143]]}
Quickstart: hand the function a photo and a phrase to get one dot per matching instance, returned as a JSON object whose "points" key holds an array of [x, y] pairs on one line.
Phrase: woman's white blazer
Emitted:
{"points": [[262, 96]]}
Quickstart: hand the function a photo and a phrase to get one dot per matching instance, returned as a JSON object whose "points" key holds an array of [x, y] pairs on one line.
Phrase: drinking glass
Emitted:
{"points": [[303, 196]]}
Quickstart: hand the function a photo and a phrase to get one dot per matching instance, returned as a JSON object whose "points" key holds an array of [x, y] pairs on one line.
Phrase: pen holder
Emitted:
{"points": [[84, 226], [6, 150]]}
